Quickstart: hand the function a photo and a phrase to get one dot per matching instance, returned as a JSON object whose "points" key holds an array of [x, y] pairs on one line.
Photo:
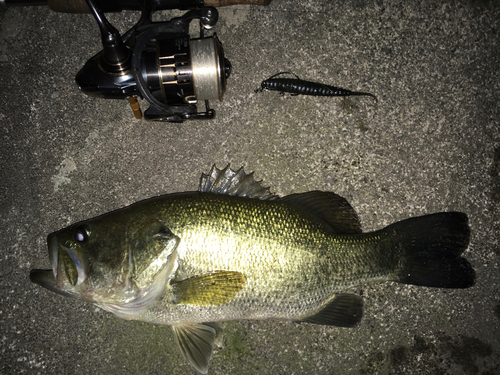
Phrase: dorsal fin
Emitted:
{"points": [[329, 207], [237, 183]]}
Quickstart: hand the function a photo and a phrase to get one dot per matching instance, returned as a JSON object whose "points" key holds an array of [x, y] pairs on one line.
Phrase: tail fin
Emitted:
{"points": [[431, 246]]}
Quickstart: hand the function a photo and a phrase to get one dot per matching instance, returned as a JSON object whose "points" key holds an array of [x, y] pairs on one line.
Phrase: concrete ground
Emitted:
{"points": [[430, 144]]}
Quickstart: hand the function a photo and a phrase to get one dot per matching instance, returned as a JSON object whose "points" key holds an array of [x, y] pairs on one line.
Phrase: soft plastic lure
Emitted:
{"points": [[298, 86]]}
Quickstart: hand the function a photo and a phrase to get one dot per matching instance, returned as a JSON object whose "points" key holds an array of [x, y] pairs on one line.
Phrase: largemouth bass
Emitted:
{"points": [[232, 250]]}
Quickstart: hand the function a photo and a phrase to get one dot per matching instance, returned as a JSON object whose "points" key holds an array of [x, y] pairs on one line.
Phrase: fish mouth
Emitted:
{"points": [[67, 263], [46, 279]]}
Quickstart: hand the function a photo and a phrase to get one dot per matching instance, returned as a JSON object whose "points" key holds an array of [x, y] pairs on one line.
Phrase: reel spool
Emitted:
{"points": [[181, 71]]}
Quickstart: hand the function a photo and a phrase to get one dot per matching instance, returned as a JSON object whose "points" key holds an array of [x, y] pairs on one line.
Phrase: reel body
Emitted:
{"points": [[159, 62]]}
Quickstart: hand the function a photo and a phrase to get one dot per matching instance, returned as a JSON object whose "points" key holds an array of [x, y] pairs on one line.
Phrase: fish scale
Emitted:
{"points": [[303, 258]]}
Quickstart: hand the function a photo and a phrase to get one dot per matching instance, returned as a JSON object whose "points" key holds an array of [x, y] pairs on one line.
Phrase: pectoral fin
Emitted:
{"points": [[345, 310], [210, 289], [196, 342]]}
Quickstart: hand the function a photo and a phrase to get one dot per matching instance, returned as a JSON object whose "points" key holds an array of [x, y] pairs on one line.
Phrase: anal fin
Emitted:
{"points": [[345, 310]]}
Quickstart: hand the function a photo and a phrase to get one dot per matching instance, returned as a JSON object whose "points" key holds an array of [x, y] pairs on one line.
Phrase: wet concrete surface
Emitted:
{"points": [[431, 143]]}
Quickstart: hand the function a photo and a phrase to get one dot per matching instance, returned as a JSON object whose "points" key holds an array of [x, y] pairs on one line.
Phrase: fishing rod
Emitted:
{"points": [[155, 61], [81, 6]]}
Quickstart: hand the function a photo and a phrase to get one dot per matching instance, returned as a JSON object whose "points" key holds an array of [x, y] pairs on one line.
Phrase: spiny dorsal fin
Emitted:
{"points": [[329, 207], [237, 183], [344, 310]]}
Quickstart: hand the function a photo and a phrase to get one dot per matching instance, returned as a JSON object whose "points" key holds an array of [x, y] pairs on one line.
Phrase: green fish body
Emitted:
{"points": [[232, 250]]}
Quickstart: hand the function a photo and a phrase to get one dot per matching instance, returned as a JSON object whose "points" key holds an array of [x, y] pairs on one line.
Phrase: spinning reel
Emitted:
{"points": [[156, 61], [159, 62]]}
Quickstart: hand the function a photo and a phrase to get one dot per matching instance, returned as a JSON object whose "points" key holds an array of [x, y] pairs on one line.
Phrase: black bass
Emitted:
{"points": [[233, 250]]}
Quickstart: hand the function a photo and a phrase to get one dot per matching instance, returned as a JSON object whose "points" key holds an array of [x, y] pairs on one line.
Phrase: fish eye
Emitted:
{"points": [[82, 233]]}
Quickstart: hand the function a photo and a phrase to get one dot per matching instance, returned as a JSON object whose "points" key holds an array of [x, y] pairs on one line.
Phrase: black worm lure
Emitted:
{"points": [[297, 86]]}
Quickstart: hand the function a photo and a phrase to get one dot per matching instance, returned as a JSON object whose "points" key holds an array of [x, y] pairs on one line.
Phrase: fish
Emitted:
{"points": [[233, 250]]}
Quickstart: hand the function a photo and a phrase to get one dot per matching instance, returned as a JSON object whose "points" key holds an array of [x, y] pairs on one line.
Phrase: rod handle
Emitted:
{"points": [[80, 6]]}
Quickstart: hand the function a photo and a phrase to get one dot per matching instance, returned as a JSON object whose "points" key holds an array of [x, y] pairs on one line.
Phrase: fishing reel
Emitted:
{"points": [[158, 62], [155, 61]]}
